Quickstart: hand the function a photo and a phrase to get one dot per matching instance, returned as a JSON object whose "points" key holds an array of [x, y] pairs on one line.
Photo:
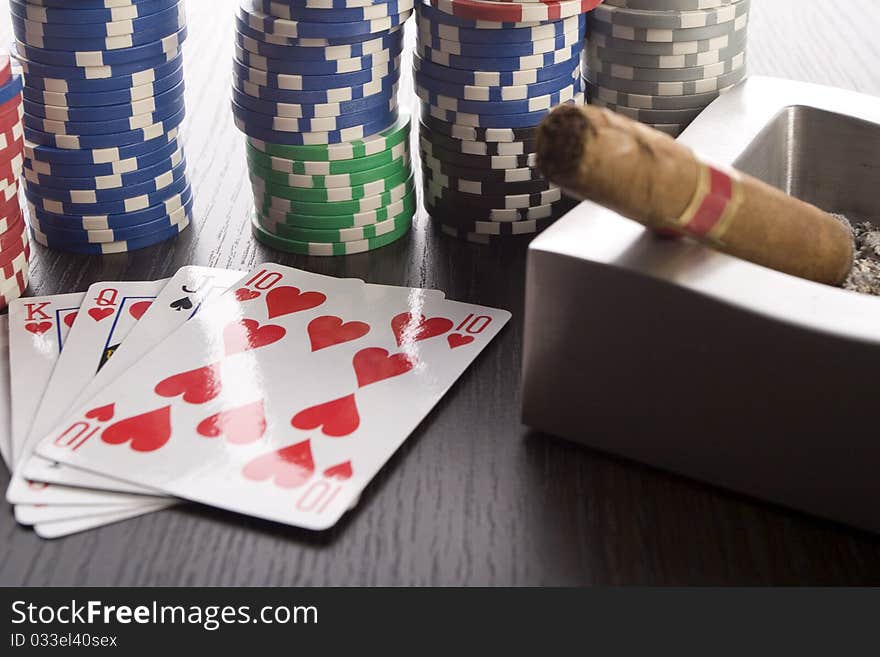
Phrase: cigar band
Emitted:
{"points": [[713, 206]]}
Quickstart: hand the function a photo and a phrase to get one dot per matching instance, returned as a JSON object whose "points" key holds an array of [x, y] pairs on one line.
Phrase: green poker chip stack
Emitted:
{"points": [[337, 199]]}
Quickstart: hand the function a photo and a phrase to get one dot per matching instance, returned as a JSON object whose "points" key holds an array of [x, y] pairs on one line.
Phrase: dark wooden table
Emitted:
{"points": [[473, 497]]}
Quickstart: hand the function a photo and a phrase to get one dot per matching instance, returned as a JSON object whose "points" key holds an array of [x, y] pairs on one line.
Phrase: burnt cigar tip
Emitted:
{"points": [[560, 142]]}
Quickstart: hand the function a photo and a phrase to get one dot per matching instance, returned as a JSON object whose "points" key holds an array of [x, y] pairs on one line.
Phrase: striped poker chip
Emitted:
{"points": [[492, 127], [612, 56], [670, 116], [291, 29], [670, 5], [406, 204], [99, 58], [482, 78], [490, 49], [499, 175], [375, 44], [668, 48], [500, 64], [514, 12], [677, 20], [331, 195], [120, 206], [501, 215], [332, 235], [383, 83], [171, 16], [99, 79], [382, 101], [124, 96], [106, 248], [353, 133], [121, 111], [327, 169], [104, 125], [669, 35], [114, 221], [491, 107], [329, 248], [106, 169], [623, 72], [127, 180], [84, 14], [347, 181], [643, 101], [444, 26], [497, 94], [292, 66], [485, 163], [432, 176], [475, 230], [434, 192], [296, 11], [265, 202], [376, 143], [523, 144], [312, 82], [112, 140], [670, 89]]}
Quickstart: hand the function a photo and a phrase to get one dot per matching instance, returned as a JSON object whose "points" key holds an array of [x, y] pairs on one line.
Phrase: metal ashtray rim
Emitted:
{"points": [[722, 134]]}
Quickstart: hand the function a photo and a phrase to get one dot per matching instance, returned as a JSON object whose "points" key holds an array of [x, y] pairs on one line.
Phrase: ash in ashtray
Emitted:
{"points": [[865, 275]]}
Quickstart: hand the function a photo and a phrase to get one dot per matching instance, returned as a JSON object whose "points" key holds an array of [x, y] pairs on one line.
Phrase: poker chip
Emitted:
{"points": [[14, 243], [330, 248], [486, 74], [314, 89], [104, 168], [662, 62]]}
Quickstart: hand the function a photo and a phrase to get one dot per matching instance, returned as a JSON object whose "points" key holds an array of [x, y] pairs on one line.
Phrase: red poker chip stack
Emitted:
{"points": [[14, 245]]}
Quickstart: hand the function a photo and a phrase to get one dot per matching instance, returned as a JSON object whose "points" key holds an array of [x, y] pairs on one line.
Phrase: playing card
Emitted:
{"points": [[282, 398], [37, 329], [62, 528], [35, 514], [107, 313], [5, 408], [180, 299]]}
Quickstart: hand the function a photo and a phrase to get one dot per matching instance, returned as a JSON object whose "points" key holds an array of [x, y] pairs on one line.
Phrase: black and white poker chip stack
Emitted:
{"points": [[662, 62]]}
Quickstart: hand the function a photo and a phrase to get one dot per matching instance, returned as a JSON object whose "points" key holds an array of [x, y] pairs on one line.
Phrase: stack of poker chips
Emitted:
{"points": [[315, 91], [662, 62], [104, 168], [14, 245], [486, 74]]}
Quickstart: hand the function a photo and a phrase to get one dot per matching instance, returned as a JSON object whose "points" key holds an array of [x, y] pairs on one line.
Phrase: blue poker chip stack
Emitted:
{"points": [[315, 92], [104, 167], [486, 74]]}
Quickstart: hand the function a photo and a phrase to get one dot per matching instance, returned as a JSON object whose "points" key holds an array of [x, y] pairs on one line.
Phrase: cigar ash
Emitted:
{"points": [[865, 275]]}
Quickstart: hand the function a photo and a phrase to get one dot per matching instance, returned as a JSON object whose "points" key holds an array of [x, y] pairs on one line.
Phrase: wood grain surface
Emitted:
{"points": [[473, 497]]}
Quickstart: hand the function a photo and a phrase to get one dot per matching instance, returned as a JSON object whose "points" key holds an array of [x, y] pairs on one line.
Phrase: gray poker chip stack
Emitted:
{"points": [[662, 62]]}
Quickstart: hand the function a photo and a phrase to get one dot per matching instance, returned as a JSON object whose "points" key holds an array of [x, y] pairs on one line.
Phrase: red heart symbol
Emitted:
{"points": [[374, 364], [289, 467], [38, 328], [137, 310], [242, 425], [98, 314], [285, 300], [246, 334], [409, 328], [102, 413], [146, 432], [341, 471], [328, 331], [336, 418], [197, 386], [70, 319], [458, 340], [244, 294]]}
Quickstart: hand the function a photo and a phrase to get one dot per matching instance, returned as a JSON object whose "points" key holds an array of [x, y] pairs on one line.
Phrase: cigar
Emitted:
{"points": [[644, 174]]}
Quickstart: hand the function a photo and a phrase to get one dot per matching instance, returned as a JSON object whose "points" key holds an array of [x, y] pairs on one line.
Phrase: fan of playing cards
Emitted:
{"points": [[266, 393]]}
